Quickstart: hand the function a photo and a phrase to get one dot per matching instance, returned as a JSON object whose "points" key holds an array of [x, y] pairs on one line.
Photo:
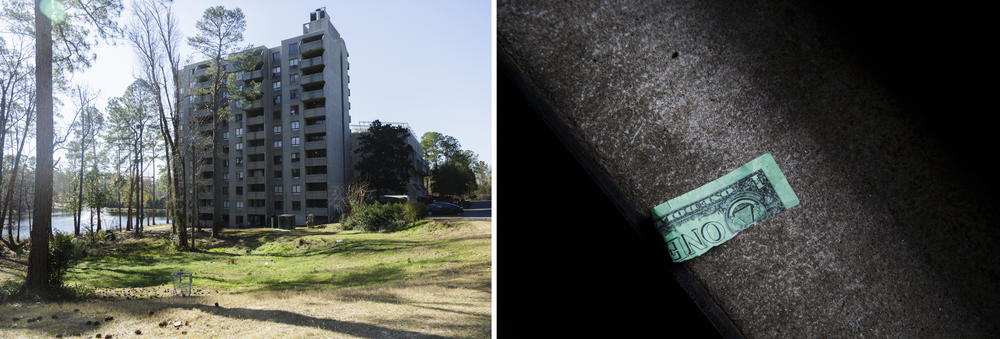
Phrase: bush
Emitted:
{"points": [[376, 217], [414, 211], [310, 220], [62, 253]]}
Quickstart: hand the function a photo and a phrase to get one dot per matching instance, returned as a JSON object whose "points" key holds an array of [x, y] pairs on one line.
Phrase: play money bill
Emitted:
{"points": [[710, 215]]}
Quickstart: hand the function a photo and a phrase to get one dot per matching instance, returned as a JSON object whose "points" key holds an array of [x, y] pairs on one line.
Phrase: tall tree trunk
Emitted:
{"points": [[38, 260], [141, 212], [79, 195]]}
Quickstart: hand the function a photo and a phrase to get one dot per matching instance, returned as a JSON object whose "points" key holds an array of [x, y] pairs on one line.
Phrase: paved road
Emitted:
{"points": [[479, 209]]}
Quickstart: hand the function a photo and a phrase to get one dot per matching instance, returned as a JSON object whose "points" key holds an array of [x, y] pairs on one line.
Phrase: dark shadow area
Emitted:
{"points": [[569, 264]]}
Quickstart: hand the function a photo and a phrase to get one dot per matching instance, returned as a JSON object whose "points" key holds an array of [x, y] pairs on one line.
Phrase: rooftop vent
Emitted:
{"points": [[319, 13]]}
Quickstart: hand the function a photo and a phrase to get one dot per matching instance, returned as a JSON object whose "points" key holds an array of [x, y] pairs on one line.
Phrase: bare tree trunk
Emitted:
{"points": [[38, 260], [79, 195]]}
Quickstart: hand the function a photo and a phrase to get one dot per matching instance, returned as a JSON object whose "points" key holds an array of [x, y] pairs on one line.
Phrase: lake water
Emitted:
{"points": [[63, 222]]}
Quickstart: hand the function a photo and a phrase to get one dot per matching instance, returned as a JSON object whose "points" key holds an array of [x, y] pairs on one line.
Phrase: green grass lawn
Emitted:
{"points": [[433, 279], [270, 259]]}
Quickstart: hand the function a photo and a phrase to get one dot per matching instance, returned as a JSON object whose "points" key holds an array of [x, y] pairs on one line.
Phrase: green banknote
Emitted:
{"points": [[710, 215]]}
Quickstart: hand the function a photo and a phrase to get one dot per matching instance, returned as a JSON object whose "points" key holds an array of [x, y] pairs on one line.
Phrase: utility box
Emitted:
{"points": [[286, 221]]}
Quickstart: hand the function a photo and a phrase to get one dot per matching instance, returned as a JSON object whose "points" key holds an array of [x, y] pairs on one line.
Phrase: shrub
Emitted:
{"points": [[376, 217], [310, 220], [414, 211], [62, 253]]}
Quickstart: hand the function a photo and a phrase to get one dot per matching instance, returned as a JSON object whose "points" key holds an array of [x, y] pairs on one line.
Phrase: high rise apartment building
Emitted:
{"points": [[287, 152]]}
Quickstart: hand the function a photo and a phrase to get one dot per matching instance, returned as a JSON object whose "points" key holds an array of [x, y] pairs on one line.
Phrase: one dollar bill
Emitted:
{"points": [[710, 215]]}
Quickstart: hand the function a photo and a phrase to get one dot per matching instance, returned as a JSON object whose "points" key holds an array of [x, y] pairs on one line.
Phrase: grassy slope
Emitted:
{"points": [[431, 279]]}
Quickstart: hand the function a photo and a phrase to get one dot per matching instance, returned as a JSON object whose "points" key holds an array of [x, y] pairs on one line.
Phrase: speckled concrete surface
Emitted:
{"points": [[668, 96]]}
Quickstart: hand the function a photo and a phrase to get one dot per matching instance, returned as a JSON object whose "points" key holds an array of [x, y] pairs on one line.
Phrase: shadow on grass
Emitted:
{"points": [[352, 328]]}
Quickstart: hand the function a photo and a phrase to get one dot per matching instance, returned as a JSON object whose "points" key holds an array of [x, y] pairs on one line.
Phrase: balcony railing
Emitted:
{"points": [[257, 120], [314, 112], [312, 79], [254, 105], [315, 144], [315, 128], [313, 94], [307, 64], [316, 195], [315, 161], [311, 46]]}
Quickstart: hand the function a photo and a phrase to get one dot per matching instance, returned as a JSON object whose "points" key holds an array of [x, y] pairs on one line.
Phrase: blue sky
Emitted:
{"points": [[426, 63]]}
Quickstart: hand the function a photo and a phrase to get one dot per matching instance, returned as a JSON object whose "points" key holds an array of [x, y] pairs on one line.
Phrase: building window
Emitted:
{"points": [[277, 160], [276, 72], [277, 85], [225, 163], [239, 146], [277, 144], [279, 205], [239, 190], [225, 176], [296, 141], [295, 155], [277, 188], [293, 48], [238, 117], [294, 94], [277, 174], [296, 205], [296, 189], [293, 63], [277, 100], [295, 125], [239, 132], [277, 130], [239, 160], [293, 110], [294, 78], [225, 135], [276, 56], [296, 173], [239, 204]]}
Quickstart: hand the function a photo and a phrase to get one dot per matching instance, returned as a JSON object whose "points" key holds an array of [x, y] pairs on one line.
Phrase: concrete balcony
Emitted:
{"points": [[255, 150], [255, 180], [312, 95], [310, 145], [311, 63], [260, 135], [311, 47], [256, 195], [315, 128], [314, 112], [315, 161], [255, 121], [255, 105], [316, 78], [199, 72], [250, 75], [203, 99], [316, 195], [315, 178], [256, 165]]}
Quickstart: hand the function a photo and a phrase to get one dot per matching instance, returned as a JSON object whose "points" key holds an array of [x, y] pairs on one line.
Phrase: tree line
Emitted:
{"points": [[104, 157]]}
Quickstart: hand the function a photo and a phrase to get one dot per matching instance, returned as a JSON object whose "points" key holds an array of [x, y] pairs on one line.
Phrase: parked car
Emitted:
{"points": [[443, 208]]}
